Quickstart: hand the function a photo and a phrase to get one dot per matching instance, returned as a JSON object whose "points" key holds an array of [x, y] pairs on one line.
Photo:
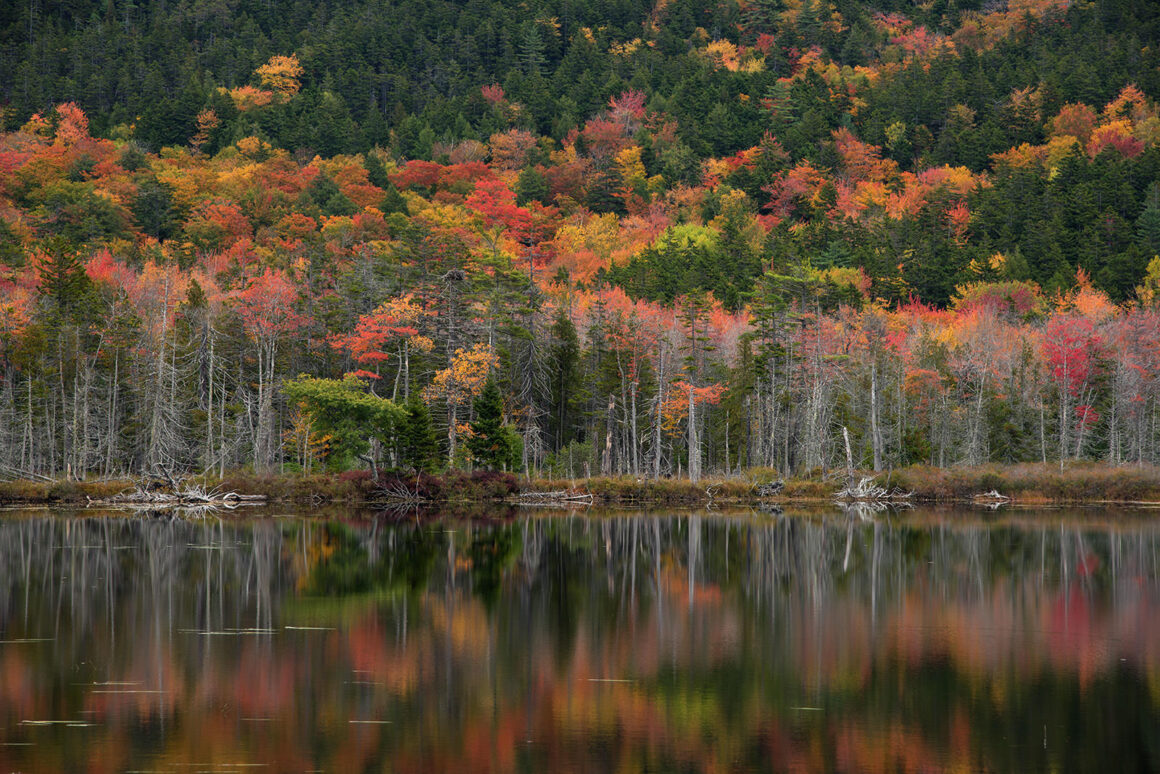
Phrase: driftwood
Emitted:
{"points": [[145, 495], [991, 499], [868, 491], [772, 489], [398, 493], [558, 496]]}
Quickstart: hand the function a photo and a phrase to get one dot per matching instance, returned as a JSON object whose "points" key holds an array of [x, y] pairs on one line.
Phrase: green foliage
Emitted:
{"points": [[154, 210], [351, 416], [11, 251], [564, 373], [418, 441], [531, 186], [493, 444], [324, 197], [64, 285], [686, 258], [78, 213]]}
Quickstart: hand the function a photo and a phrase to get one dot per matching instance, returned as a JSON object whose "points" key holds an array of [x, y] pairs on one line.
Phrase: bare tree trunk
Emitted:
{"points": [[875, 428], [452, 431], [849, 457], [656, 434], [635, 436], [694, 445], [606, 462]]}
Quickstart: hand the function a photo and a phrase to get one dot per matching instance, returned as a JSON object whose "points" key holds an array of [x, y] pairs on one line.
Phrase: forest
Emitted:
{"points": [[577, 237]]}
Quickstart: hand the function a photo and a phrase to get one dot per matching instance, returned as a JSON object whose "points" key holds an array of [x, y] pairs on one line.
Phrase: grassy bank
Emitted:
{"points": [[1079, 482], [1026, 483]]}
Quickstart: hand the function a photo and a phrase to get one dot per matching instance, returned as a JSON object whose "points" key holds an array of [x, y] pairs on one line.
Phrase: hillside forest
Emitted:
{"points": [[577, 237]]}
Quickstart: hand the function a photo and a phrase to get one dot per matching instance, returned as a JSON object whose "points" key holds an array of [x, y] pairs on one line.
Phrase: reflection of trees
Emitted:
{"points": [[917, 641]]}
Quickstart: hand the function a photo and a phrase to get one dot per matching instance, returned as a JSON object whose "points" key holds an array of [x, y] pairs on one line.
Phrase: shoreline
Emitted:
{"points": [[1023, 484]]}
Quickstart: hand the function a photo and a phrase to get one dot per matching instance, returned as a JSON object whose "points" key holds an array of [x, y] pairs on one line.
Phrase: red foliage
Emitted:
{"points": [[1070, 347], [217, 224], [799, 185], [373, 332], [764, 42], [493, 93], [417, 173], [266, 306], [1118, 135], [493, 200], [605, 137], [1075, 120]]}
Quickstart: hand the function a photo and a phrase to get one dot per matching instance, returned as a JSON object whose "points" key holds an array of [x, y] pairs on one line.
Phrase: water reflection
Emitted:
{"points": [[567, 643]]}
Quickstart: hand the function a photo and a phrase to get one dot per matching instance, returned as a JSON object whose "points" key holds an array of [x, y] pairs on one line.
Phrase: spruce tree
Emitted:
{"points": [[420, 446], [494, 445], [63, 282]]}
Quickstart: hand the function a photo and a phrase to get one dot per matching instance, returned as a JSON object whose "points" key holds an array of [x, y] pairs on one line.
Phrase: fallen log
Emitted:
{"points": [[558, 496], [868, 491], [190, 496], [772, 489]]}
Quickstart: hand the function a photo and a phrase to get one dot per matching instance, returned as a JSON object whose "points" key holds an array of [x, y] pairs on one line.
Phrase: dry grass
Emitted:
{"points": [[63, 492], [1031, 483], [1027, 483]]}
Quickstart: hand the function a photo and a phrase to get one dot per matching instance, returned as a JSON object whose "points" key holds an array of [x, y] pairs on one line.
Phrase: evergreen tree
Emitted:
{"points": [[494, 445], [64, 285], [564, 369], [327, 197], [531, 186], [531, 49], [1148, 224], [154, 210], [417, 439], [11, 252]]}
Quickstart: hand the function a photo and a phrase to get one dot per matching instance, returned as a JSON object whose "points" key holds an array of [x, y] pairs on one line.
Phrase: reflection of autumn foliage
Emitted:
{"points": [[918, 646]]}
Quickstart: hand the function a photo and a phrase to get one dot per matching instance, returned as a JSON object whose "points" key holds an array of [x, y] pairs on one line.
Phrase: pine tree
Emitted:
{"points": [[762, 15], [531, 49], [417, 438], [531, 186], [494, 445], [564, 362], [1148, 224], [63, 281], [11, 251]]}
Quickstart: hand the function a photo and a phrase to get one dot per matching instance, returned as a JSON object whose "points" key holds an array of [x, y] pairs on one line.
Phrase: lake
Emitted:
{"points": [[556, 641]]}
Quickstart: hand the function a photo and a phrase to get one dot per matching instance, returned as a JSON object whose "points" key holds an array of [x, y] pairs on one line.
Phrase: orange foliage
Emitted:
{"points": [[465, 377], [266, 306], [281, 75], [73, 124], [509, 150], [1118, 135], [247, 98], [1076, 120]]}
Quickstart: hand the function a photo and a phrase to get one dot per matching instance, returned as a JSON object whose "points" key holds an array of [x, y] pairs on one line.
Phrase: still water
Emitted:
{"points": [[581, 642]]}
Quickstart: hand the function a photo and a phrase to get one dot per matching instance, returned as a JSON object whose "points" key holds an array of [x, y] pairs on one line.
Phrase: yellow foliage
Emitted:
{"points": [[624, 49], [248, 98], [1059, 148], [630, 165], [722, 53], [281, 75], [465, 378], [1149, 291]]}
